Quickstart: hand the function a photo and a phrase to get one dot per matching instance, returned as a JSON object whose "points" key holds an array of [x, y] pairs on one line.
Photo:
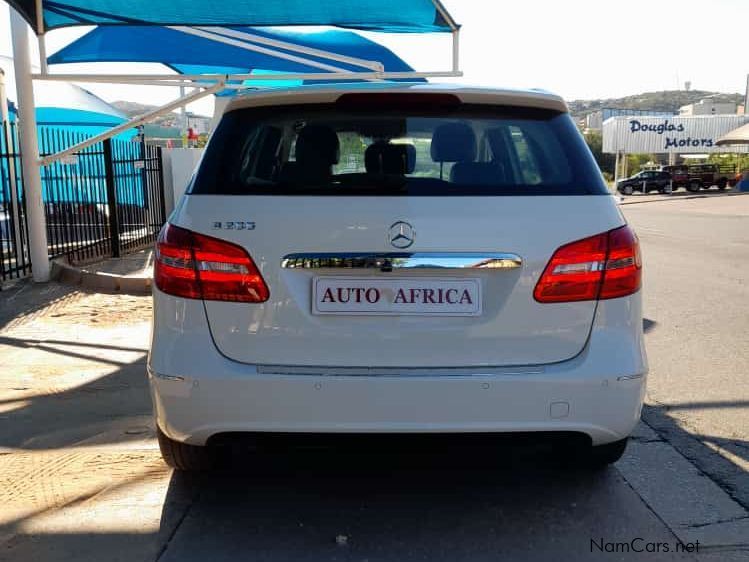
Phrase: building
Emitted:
{"points": [[200, 124], [670, 135], [708, 107], [594, 121]]}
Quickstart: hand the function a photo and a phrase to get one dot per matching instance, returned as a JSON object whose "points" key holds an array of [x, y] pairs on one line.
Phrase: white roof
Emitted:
{"points": [[737, 136], [330, 93]]}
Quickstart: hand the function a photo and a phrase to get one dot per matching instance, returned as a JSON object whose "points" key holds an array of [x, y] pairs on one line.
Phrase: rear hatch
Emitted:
{"points": [[399, 237]]}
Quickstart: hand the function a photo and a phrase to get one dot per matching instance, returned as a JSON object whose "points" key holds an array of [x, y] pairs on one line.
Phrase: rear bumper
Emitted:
{"points": [[198, 394], [193, 410]]}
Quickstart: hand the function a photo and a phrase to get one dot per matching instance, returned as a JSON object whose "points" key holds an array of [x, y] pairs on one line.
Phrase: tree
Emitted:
{"points": [[606, 162]]}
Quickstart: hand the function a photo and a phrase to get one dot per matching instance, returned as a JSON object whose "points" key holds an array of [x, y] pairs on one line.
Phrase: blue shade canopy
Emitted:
{"points": [[189, 54], [71, 108], [379, 15]]}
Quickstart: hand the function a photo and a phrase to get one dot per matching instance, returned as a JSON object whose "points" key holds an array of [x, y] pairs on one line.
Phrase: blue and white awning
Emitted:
{"points": [[190, 54], [401, 16]]}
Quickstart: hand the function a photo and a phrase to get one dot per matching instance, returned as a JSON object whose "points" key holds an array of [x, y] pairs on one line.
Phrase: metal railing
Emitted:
{"points": [[14, 255], [105, 200]]}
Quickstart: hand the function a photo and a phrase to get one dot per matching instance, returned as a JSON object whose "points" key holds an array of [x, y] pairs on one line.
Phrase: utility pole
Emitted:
{"points": [[32, 181]]}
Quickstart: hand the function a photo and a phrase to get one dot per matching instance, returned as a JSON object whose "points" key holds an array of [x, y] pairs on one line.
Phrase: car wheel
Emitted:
{"points": [[601, 456], [694, 186], [722, 184], [182, 456], [627, 190]]}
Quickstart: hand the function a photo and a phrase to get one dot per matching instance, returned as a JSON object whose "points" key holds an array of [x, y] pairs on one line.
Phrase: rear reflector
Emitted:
{"points": [[604, 266], [196, 266]]}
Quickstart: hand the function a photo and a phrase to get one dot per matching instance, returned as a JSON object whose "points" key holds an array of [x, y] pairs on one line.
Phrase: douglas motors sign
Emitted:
{"points": [[669, 131], [677, 134]]}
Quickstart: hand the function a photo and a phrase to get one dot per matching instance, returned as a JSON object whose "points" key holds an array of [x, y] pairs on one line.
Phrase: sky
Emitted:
{"points": [[580, 49]]}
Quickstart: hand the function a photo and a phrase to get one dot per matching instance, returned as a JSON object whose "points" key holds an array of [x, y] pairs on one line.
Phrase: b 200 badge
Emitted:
{"points": [[234, 225]]}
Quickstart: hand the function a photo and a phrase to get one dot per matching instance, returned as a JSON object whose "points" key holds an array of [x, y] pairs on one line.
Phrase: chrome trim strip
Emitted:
{"points": [[400, 372], [402, 260], [629, 377]]}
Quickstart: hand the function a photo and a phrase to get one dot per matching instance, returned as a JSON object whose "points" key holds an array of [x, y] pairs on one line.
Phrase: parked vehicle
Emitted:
{"points": [[645, 181], [471, 275], [702, 176], [679, 176]]}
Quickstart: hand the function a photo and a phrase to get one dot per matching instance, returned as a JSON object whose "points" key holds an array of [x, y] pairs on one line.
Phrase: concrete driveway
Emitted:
{"points": [[81, 477]]}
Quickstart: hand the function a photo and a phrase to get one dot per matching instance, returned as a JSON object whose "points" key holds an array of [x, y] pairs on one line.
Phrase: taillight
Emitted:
{"points": [[196, 266], [604, 266]]}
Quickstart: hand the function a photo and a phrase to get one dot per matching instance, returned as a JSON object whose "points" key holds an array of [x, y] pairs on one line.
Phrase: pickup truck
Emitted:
{"points": [[701, 176]]}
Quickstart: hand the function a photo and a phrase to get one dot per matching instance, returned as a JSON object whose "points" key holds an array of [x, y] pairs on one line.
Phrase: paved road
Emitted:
{"points": [[696, 254], [81, 478]]}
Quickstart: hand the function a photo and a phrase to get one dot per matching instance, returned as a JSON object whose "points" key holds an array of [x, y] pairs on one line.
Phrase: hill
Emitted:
{"points": [[668, 100], [134, 109]]}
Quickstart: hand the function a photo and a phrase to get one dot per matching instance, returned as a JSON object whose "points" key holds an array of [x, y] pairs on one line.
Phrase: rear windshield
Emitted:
{"points": [[463, 150]]}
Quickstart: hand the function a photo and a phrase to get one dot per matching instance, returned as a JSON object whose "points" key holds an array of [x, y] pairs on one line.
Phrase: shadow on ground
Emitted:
{"points": [[107, 408], [486, 501]]}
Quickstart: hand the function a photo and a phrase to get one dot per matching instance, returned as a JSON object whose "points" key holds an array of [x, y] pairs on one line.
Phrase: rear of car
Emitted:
{"points": [[396, 260]]}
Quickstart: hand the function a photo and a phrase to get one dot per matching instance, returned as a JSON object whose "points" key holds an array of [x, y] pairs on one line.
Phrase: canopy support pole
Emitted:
{"points": [[456, 50], [183, 119], [41, 37], [135, 122], [243, 35], [32, 181], [202, 80], [213, 36]]}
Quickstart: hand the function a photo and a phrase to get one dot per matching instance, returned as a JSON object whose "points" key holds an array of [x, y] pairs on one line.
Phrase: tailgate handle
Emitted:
{"points": [[392, 261]]}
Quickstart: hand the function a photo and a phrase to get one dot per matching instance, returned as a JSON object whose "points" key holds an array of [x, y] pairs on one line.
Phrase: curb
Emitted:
{"points": [[684, 197], [70, 275]]}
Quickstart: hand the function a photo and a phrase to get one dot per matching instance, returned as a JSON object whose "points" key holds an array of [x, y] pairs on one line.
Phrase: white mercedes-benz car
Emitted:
{"points": [[407, 259]]}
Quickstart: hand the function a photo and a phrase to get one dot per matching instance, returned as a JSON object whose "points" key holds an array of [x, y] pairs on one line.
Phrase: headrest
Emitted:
{"points": [[318, 144], [476, 173], [384, 158], [453, 142]]}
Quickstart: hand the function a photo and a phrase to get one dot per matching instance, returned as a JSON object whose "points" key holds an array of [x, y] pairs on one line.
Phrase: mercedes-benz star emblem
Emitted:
{"points": [[401, 235]]}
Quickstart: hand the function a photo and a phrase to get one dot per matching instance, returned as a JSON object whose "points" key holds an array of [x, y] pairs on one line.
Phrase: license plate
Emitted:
{"points": [[416, 296]]}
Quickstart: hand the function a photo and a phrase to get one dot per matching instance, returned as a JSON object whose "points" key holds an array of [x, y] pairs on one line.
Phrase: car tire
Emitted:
{"points": [[601, 456], [627, 190], [722, 184], [694, 186], [182, 456]]}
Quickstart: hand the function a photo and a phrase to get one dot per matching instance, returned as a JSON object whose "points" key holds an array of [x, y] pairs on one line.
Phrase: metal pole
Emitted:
{"points": [[183, 118], [293, 47], [41, 37], [199, 32], [12, 178], [135, 122], [204, 80], [616, 170], [32, 181], [114, 219], [456, 50]]}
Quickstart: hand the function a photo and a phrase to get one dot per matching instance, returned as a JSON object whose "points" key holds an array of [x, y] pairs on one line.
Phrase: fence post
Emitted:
{"points": [[162, 187], [114, 219]]}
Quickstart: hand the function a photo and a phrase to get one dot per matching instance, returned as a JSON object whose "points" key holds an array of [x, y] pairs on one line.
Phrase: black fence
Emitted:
{"points": [[106, 200], [14, 252]]}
